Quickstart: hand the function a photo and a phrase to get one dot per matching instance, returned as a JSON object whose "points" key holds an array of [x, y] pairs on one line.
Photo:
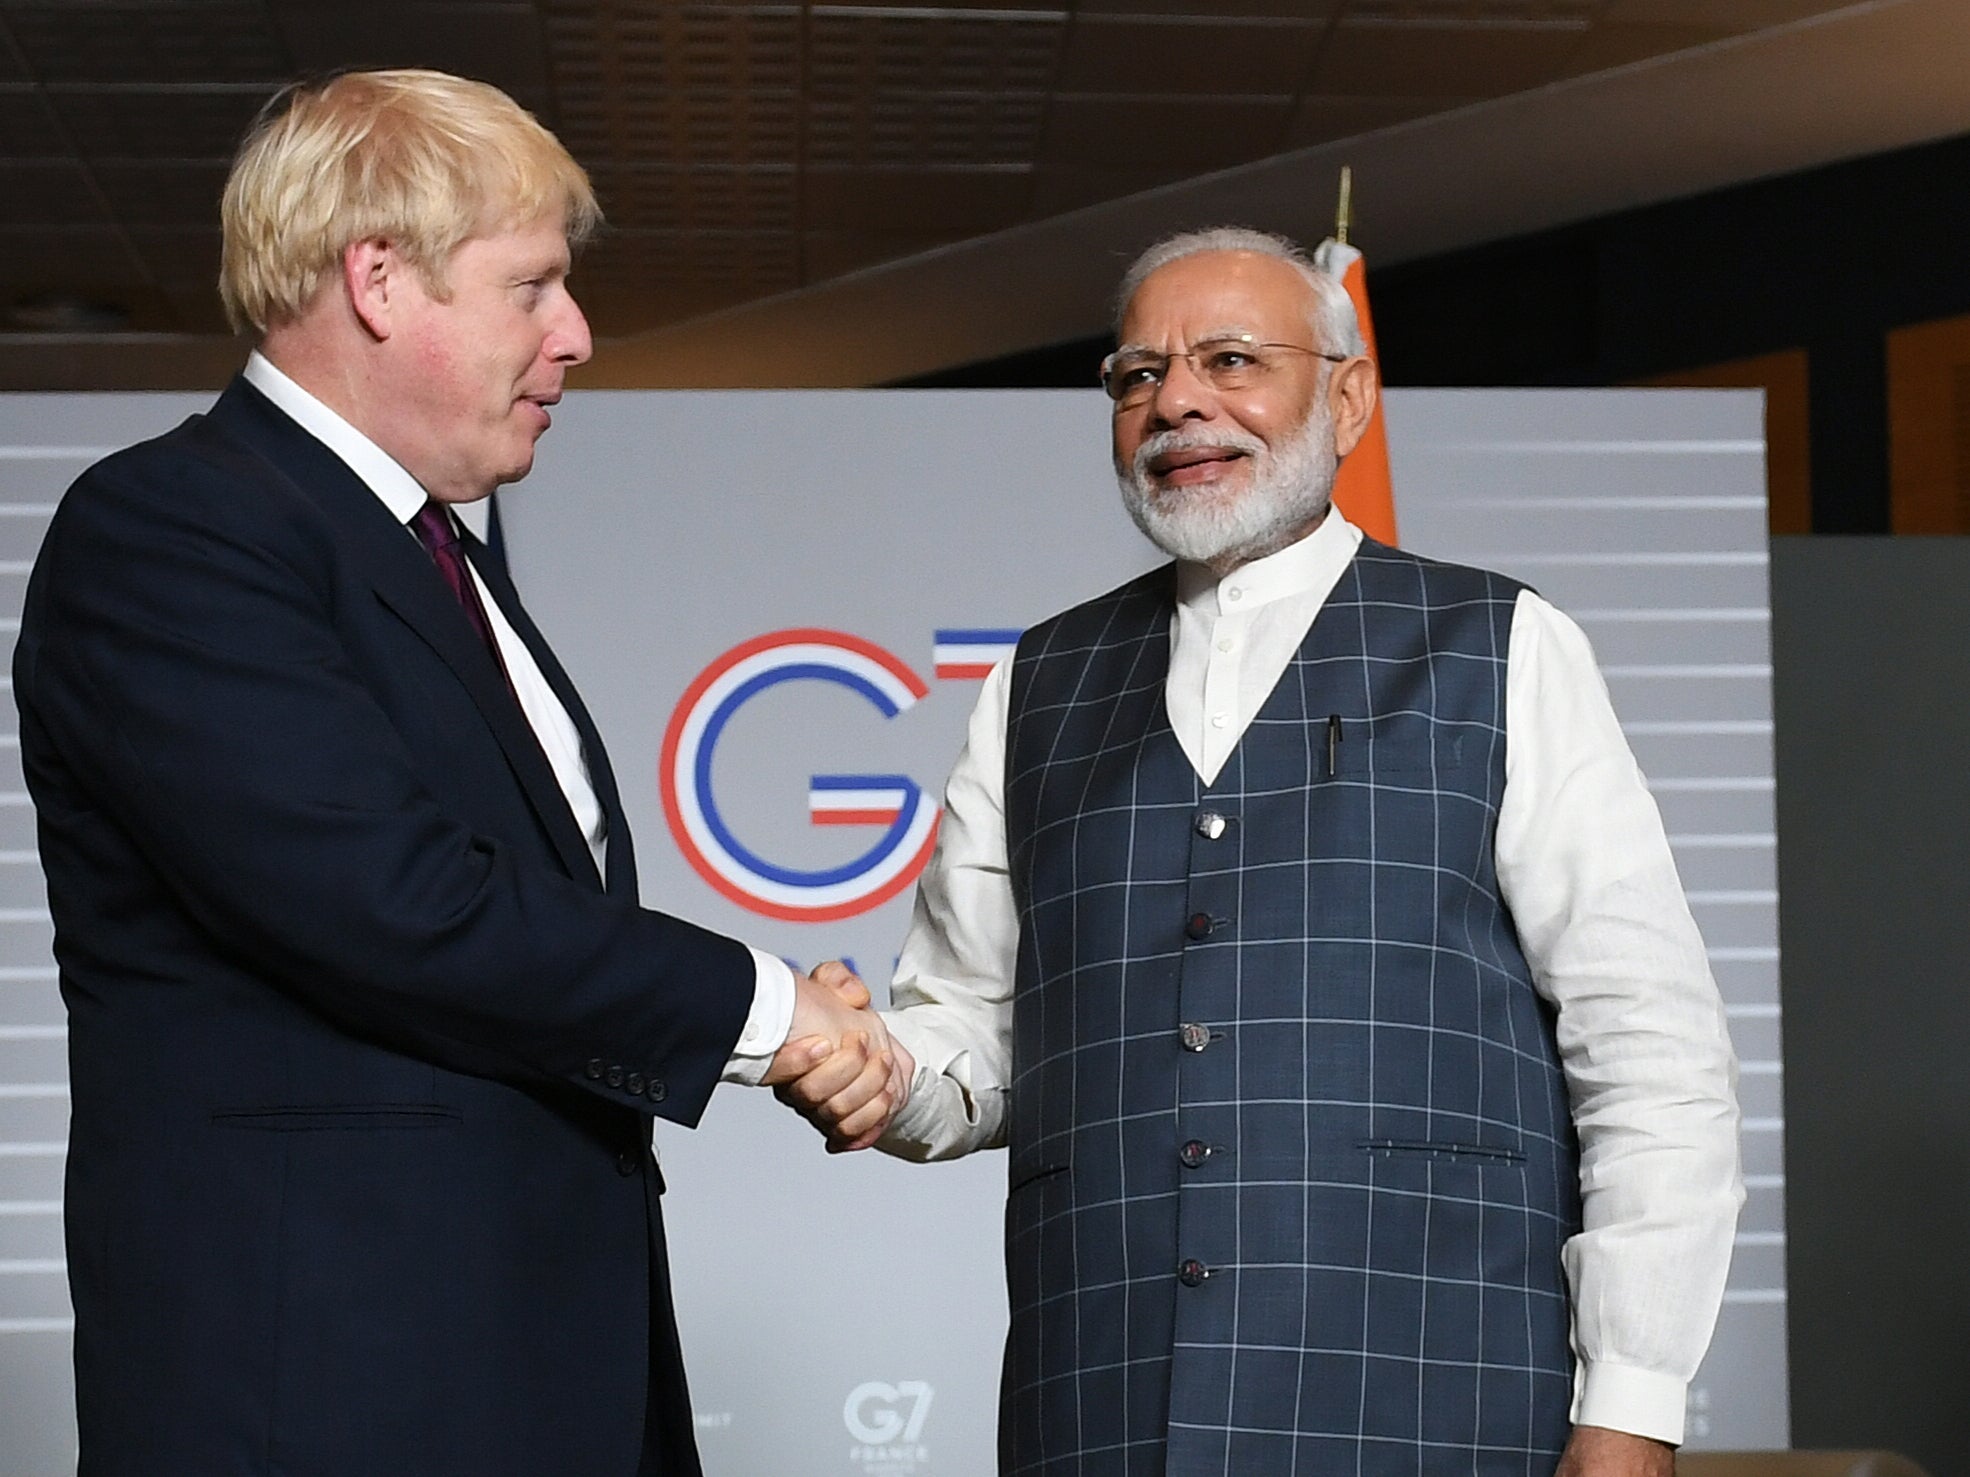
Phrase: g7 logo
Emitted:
{"points": [[892, 801], [870, 1411]]}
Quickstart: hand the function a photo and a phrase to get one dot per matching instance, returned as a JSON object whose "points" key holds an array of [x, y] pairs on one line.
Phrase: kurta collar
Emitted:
{"points": [[1314, 562]]}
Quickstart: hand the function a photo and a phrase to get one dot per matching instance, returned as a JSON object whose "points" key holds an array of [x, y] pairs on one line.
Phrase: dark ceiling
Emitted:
{"points": [[746, 150]]}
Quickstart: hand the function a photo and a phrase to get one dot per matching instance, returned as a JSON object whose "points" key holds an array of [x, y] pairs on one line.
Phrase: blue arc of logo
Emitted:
{"points": [[737, 850]]}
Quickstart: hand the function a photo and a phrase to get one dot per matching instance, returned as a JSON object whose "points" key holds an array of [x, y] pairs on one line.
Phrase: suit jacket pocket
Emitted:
{"points": [[337, 1117]]}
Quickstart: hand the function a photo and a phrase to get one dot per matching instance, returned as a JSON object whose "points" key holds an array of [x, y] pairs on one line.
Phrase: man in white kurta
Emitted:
{"points": [[1583, 869]]}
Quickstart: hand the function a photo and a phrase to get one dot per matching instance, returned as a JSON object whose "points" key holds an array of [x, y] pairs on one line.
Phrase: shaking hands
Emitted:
{"points": [[840, 1069]]}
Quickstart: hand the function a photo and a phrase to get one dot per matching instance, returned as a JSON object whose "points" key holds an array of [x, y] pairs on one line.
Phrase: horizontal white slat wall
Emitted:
{"points": [[45, 441], [1649, 528], [1643, 515]]}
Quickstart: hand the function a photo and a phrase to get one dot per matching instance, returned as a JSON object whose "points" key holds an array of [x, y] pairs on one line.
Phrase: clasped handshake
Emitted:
{"points": [[841, 1070]]}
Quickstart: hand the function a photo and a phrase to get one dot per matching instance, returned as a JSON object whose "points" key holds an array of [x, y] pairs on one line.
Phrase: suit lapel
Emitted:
{"points": [[621, 853], [405, 581]]}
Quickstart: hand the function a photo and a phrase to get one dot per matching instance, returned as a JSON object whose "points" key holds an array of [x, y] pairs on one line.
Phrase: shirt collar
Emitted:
{"points": [[1312, 562], [379, 471]]}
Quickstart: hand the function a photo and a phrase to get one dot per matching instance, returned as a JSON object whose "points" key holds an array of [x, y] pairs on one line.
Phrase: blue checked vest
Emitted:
{"points": [[1291, 1157]]}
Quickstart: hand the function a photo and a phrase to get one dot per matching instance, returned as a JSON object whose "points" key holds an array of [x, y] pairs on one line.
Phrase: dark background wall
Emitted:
{"points": [[1870, 683], [1826, 261]]}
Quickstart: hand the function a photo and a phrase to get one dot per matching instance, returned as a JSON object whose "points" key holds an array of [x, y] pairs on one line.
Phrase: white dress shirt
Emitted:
{"points": [[772, 1002], [1586, 871]]}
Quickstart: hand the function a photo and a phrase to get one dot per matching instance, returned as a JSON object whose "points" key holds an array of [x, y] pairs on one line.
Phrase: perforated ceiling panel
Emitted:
{"points": [[746, 149]]}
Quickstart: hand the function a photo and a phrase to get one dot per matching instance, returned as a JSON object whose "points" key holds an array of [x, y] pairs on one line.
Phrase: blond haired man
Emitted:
{"points": [[366, 1025]]}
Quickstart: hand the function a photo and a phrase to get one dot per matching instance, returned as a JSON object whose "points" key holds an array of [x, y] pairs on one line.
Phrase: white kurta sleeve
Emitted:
{"points": [[1586, 870], [951, 1000]]}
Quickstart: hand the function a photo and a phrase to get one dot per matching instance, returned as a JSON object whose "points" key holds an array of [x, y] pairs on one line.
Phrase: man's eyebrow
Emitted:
{"points": [[1231, 330]]}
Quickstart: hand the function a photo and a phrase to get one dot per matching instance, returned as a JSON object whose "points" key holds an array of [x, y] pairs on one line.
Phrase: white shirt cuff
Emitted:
{"points": [[1620, 1397], [940, 1120], [767, 1023]]}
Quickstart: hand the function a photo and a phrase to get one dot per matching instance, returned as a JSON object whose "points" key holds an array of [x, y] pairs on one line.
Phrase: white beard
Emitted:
{"points": [[1289, 491]]}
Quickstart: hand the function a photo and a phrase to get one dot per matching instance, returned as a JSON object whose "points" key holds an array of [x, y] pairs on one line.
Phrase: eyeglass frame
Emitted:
{"points": [[1189, 356]]}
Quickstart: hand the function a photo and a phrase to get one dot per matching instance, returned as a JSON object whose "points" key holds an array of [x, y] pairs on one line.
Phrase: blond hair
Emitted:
{"points": [[423, 159]]}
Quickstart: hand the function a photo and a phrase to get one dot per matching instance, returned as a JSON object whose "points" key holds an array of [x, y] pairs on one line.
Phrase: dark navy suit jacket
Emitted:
{"points": [[363, 1051]]}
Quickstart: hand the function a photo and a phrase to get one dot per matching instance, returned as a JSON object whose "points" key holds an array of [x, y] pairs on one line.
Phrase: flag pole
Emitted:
{"points": [[1361, 486]]}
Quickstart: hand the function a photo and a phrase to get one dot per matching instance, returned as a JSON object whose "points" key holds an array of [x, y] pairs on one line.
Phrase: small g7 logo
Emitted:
{"points": [[871, 1416]]}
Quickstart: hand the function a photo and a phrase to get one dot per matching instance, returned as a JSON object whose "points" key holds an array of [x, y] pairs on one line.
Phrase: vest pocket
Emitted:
{"points": [[1033, 1175], [1445, 1152], [1470, 1219], [1039, 1232], [1360, 755]]}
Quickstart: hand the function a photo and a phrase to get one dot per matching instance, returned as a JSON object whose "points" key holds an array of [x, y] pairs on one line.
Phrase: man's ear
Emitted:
{"points": [[373, 277], [1352, 391]]}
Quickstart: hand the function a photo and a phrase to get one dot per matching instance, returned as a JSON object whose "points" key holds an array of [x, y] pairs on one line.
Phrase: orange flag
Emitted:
{"points": [[1362, 490]]}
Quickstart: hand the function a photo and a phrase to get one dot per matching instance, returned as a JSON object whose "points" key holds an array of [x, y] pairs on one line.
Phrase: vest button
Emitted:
{"points": [[1198, 926], [1194, 1037], [1192, 1273], [1194, 1153], [1210, 825]]}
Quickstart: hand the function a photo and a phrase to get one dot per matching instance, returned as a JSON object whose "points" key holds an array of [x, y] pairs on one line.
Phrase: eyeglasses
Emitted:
{"points": [[1233, 362]]}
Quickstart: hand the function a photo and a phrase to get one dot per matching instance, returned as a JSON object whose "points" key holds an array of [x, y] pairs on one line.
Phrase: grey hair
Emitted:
{"points": [[1333, 318]]}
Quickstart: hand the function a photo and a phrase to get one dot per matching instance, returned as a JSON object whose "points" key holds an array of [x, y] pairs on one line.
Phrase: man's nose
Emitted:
{"points": [[569, 341], [1182, 394]]}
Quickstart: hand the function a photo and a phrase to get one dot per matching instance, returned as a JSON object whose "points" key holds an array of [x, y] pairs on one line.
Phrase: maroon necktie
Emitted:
{"points": [[434, 530]]}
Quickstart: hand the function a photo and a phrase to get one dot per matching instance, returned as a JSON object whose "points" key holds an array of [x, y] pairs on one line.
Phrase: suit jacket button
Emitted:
{"points": [[634, 1082], [1198, 926], [594, 1069], [1194, 1153], [614, 1077], [1192, 1273], [627, 1161], [1194, 1037], [656, 1092]]}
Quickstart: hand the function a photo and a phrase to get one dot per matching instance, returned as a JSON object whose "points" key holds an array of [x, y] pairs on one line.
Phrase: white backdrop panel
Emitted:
{"points": [[844, 1315]]}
